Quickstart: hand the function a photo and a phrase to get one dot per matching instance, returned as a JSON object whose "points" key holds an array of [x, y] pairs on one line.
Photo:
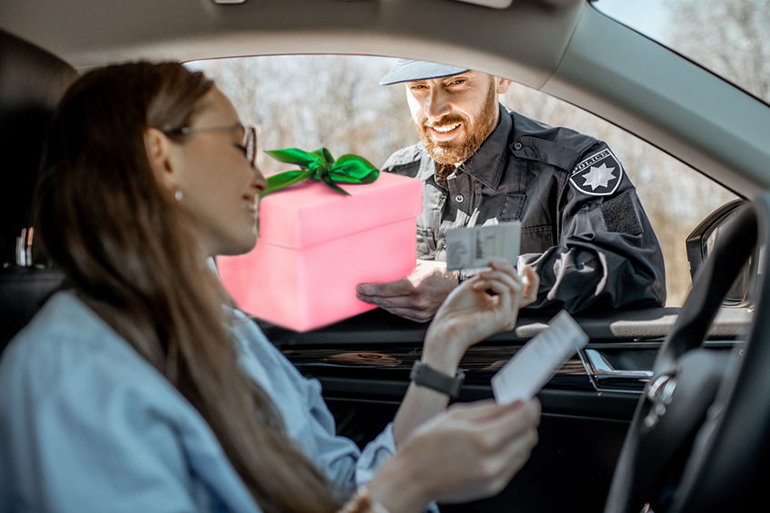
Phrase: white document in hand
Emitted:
{"points": [[535, 363]]}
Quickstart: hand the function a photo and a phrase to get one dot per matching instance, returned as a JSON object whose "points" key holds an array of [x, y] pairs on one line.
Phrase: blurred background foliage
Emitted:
{"points": [[310, 101]]}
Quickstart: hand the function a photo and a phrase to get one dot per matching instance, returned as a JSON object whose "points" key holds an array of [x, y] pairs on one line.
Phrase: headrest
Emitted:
{"points": [[22, 293], [31, 83]]}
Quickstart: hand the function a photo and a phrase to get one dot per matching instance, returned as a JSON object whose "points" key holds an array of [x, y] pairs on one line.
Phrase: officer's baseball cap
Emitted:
{"points": [[408, 70]]}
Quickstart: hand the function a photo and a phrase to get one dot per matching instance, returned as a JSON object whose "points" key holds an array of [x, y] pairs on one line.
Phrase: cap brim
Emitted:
{"points": [[409, 71]]}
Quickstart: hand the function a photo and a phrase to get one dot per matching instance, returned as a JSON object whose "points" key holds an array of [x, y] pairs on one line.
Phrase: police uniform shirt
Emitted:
{"points": [[583, 227]]}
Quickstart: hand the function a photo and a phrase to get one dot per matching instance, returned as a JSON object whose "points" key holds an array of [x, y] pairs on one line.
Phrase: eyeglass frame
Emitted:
{"points": [[248, 145]]}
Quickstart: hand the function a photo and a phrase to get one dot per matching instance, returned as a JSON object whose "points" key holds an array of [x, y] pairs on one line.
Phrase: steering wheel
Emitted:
{"points": [[700, 435]]}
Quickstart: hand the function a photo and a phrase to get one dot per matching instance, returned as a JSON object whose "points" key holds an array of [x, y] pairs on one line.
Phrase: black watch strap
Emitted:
{"points": [[426, 376]]}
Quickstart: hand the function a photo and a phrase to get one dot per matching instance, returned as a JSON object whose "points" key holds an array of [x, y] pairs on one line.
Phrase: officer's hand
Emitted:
{"points": [[416, 297]]}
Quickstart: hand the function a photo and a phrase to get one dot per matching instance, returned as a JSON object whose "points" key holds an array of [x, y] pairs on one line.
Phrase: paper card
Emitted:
{"points": [[536, 363], [475, 247]]}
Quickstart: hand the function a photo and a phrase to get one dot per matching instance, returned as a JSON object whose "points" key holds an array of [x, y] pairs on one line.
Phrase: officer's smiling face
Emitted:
{"points": [[454, 115]]}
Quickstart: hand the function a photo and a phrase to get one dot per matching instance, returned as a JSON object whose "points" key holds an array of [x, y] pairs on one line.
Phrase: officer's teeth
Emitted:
{"points": [[445, 129]]}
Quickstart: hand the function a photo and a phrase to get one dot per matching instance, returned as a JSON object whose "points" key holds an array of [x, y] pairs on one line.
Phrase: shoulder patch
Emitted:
{"points": [[598, 175]]}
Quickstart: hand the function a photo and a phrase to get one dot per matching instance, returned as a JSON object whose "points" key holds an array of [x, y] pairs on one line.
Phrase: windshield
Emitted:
{"points": [[729, 37]]}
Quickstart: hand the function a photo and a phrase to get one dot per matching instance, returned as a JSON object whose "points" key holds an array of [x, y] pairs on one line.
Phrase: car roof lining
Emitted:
{"points": [[533, 33], [568, 50]]}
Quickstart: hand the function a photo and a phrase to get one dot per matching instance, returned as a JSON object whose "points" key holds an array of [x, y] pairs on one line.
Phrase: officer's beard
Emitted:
{"points": [[451, 153]]}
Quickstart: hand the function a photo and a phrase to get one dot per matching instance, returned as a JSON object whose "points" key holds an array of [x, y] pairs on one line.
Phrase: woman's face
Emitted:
{"points": [[219, 187]]}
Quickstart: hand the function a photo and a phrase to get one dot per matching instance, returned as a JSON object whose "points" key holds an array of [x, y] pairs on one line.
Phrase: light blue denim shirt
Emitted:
{"points": [[87, 425]]}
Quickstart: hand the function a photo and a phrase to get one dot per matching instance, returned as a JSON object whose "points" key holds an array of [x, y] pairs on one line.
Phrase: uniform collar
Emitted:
{"points": [[488, 164]]}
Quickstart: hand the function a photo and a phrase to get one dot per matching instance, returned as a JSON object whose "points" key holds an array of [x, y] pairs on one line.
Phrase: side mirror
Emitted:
{"points": [[701, 242]]}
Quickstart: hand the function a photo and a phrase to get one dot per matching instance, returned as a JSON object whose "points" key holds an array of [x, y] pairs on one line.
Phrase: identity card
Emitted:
{"points": [[477, 246], [536, 363]]}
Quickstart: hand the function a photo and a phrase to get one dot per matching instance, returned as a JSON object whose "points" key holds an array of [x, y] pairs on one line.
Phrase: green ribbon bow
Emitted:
{"points": [[320, 165]]}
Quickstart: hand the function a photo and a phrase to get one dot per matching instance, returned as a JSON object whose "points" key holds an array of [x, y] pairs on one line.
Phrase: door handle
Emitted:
{"points": [[605, 377]]}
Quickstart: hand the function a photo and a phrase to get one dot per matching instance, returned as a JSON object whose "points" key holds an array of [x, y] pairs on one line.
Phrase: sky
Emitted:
{"points": [[646, 16]]}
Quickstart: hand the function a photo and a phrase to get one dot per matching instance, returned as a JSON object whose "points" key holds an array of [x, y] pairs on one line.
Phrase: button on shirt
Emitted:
{"points": [[583, 227], [87, 425]]}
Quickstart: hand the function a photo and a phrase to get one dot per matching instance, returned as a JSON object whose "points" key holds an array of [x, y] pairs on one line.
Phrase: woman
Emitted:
{"points": [[136, 391]]}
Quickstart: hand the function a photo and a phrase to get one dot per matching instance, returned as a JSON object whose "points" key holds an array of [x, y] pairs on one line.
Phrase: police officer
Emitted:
{"points": [[583, 227]]}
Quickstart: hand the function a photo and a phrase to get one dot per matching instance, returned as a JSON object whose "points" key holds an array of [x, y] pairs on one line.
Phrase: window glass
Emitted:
{"points": [[675, 197], [730, 37], [310, 101], [334, 101]]}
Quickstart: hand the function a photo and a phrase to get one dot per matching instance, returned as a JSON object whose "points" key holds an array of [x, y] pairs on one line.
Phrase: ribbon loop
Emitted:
{"points": [[320, 165]]}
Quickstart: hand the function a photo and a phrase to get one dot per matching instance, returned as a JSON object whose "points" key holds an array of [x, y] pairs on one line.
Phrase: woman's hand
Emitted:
{"points": [[470, 451], [480, 307], [476, 309]]}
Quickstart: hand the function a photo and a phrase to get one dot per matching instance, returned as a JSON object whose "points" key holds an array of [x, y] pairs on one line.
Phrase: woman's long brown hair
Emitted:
{"points": [[130, 254]]}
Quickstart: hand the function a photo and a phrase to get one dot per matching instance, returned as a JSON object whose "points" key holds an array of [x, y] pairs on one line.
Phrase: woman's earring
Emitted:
{"points": [[178, 195]]}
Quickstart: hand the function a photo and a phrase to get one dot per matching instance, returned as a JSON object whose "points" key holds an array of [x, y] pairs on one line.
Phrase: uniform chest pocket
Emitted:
{"points": [[513, 206]]}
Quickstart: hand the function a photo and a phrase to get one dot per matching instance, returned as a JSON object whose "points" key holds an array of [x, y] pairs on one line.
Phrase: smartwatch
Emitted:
{"points": [[423, 375]]}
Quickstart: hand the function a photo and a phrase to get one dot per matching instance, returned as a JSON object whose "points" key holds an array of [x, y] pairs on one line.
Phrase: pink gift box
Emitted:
{"points": [[315, 245]]}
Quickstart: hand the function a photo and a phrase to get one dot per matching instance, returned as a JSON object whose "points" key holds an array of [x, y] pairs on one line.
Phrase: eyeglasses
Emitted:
{"points": [[248, 146]]}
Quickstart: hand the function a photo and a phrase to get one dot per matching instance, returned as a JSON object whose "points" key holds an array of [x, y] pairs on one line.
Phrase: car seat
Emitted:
{"points": [[31, 83]]}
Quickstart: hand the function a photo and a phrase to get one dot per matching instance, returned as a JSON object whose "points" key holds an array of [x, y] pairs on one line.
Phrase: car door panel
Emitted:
{"points": [[363, 365]]}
